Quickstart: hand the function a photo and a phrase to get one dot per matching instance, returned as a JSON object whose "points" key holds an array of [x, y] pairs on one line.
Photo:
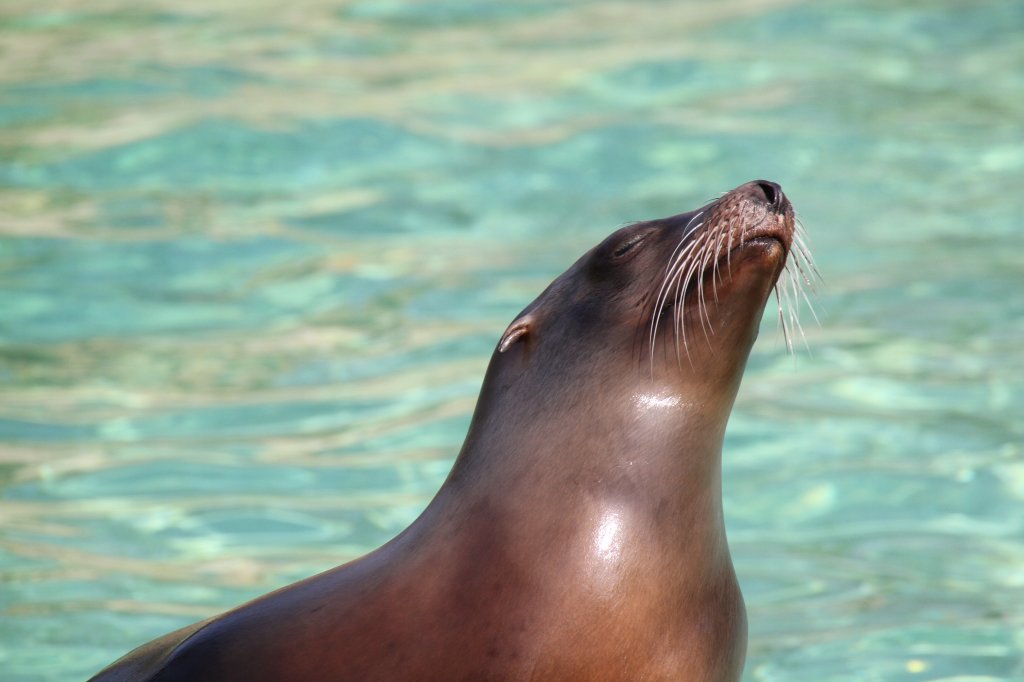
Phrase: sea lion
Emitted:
{"points": [[579, 535]]}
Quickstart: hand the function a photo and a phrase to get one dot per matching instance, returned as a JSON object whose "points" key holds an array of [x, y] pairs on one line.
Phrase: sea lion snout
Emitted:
{"points": [[755, 209]]}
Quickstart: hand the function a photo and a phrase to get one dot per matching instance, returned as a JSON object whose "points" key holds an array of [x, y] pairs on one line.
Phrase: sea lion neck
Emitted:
{"points": [[646, 445]]}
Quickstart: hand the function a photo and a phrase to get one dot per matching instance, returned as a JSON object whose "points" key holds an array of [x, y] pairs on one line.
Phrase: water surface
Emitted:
{"points": [[254, 257]]}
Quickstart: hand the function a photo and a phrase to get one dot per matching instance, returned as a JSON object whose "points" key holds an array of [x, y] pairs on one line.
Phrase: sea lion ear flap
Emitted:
{"points": [[518, 329]]}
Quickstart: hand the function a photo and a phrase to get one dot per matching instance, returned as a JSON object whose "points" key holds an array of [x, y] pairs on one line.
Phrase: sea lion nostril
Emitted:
{"points": [[772, 192]]}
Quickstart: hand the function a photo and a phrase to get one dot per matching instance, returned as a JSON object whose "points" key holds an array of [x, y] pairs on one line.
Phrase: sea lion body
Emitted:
{"points": [[580, 534]]}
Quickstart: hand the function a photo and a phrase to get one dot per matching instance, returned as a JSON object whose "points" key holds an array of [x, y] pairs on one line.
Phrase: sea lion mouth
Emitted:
{"points": [[754, 221], [756, 243]]}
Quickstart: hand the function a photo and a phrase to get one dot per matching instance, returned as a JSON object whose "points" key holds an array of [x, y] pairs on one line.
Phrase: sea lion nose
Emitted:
{"points": [[772, 193]]}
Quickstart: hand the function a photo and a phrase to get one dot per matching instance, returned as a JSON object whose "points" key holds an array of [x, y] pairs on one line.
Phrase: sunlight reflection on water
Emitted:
{"points": [[253, 261]]}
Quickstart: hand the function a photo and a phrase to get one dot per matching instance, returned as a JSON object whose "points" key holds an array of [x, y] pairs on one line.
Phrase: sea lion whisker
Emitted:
{"points": [[799, 262], [802, 244], [717, 275], [698, 273], [687, 231], [813, 276], [669, 288], [678, 256], [807, 299], [682, 287], [704, 267], [804, 263], [794, 290], [678, 312], [679, 326], [694, 245], [794, 303], [666, 290], [782, 318], [803, 248], [728, 252], [663, 292], [687, 270], [684, 247], [795, 309], [782, 294], [659, 301]]}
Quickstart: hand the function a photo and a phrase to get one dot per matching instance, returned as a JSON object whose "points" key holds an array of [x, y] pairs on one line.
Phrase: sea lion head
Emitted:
{"points": [[664, 309]]}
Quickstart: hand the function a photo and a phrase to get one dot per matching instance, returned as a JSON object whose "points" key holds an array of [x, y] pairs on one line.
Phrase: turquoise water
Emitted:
{"points": [[254, 257]]}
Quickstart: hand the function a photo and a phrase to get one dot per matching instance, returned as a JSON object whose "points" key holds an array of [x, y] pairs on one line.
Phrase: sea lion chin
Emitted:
{"points": [[580, 534]]}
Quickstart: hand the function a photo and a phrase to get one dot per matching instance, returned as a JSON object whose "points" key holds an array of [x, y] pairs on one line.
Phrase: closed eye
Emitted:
{"points": [[629, 245]]}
